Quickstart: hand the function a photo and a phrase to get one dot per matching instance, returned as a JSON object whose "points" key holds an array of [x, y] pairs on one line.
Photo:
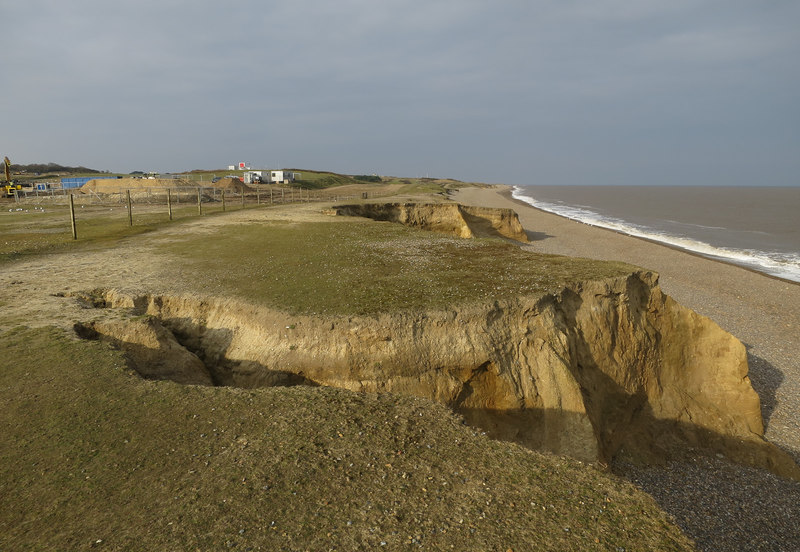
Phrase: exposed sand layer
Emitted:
{"points": [[117, 185], [447, 218]]}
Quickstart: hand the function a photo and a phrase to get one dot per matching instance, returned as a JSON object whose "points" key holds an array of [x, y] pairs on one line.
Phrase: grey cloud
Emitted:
{"points": [[579, 91]]}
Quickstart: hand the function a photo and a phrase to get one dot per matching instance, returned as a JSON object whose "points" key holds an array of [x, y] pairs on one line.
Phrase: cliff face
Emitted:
{"points": [[595, 370], [449, 218]]}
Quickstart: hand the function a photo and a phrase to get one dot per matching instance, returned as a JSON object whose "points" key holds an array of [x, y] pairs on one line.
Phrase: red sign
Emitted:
{"points": [[241, 165]]}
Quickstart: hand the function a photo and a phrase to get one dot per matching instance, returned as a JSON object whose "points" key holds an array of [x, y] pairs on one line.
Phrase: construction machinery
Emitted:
{"points": [[9, 189]]}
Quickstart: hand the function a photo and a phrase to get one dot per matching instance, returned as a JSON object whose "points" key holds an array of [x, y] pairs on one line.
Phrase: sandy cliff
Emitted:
{"points": [[596, 370], [449, 218]]}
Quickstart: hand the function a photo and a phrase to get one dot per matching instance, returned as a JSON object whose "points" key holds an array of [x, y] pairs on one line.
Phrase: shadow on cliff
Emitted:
{"points": [[766, 379], [618, 416], [537, 236], [647, 440], [186, 357]]}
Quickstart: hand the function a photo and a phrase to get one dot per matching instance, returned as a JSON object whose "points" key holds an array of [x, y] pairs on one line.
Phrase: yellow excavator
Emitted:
{"points": [[9, 189]]}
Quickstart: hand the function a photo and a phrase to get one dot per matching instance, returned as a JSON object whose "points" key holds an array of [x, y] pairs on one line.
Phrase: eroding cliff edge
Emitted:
{"points": [[450, 218], [596, 370]]}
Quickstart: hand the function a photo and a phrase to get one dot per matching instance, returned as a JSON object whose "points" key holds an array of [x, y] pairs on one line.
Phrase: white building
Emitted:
{"points": [[283, 177]]}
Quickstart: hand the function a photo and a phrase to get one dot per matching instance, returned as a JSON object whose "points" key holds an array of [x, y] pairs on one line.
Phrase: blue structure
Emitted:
{"points": [[78, 181]]}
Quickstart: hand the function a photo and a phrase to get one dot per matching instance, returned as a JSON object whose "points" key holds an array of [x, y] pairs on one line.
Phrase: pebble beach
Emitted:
{"points": [[722, 506]]}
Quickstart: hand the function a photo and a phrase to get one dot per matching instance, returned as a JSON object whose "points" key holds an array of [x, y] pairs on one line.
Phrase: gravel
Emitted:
{"points": [[723, 506]]}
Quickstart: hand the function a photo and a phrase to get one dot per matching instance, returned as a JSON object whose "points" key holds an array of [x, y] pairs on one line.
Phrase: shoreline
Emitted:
{"points": [[508, 192]]}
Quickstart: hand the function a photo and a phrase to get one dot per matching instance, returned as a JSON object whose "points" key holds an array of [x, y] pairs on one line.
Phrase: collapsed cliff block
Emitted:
{"points": [[152, 350], [449, 218], [596, 370]]}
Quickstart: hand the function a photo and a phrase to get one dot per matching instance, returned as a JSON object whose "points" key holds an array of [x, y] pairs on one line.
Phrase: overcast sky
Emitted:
{"points": [[518, 92]]}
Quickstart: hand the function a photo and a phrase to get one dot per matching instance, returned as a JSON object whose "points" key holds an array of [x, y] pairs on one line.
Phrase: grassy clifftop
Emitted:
{"points": [[357, 266]]}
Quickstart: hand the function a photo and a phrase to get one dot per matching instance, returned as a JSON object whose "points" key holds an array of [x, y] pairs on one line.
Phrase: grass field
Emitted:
{"points": [[94, 458], [359, 266], [30, 231]]}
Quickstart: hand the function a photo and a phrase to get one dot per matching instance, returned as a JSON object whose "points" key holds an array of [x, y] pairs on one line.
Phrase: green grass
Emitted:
{"points": [[315, 180], [92, 457], [30, 232], [358, 266]]}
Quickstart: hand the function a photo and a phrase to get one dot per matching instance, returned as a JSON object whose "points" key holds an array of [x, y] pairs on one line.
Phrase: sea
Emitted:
{"points": [[755, 227]]}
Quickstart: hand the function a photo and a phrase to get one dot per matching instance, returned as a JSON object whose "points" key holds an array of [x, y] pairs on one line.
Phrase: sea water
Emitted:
{"points": [[755, 227]]}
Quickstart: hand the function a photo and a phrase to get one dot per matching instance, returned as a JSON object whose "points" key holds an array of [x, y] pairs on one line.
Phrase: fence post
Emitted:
{"points": [[199, 202], [223, 200], [169, 203], [258, 195], [130, 214], [243, 197], [72, 218]]}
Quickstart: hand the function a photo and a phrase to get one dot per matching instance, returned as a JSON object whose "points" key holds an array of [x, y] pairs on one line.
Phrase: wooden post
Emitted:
{"points": [[242, 197], [270, 195], [258, 195], [130, 214], [169, 203], [223, 200], [199, 202], [283, 195], [72, 218]]}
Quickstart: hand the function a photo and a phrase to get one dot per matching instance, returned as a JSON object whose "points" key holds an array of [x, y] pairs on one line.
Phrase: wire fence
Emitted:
{"points": [[147, 205], [254, 194]]}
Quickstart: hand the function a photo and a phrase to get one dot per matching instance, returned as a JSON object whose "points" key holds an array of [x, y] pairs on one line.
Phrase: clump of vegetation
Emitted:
{"points": [[317, 180], [93, 457], [367, 178]]}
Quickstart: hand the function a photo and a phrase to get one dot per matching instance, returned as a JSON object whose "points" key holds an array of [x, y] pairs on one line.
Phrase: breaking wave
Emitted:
{"points": [[775, 263]]}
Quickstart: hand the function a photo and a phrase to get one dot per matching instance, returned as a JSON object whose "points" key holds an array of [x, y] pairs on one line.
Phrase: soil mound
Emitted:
{"points": [[117, 185], [233, 184]]}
